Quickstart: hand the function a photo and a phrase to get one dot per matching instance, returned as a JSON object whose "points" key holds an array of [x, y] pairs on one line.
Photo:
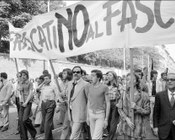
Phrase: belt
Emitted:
{"points": [[96, 111]]}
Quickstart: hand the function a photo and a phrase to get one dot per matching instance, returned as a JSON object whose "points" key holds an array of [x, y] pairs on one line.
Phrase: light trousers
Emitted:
{"points": [[76, 131], [5, 116], [66, 126], [96, 124]]}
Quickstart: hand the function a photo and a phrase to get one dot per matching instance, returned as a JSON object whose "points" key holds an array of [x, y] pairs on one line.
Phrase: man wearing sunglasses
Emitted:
{"points": [[77, 102], [164, 111]]}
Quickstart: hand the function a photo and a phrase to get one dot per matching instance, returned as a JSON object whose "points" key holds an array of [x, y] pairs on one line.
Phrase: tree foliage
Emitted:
{"points": [[115, 57], [20, 12]]}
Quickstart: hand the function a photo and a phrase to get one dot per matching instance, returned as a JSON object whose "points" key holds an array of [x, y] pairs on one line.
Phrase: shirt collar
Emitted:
{"points": [[78, 81], [169, 92]]}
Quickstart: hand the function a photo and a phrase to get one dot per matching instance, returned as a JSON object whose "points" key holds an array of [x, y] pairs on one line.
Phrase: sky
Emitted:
{"points": [[171, 50]]}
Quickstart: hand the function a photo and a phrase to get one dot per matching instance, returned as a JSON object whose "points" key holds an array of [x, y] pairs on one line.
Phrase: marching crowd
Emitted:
{"points": [[91, 106]]}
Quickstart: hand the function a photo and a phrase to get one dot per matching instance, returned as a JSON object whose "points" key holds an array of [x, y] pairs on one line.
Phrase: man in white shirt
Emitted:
{"points": [[49, 96]]}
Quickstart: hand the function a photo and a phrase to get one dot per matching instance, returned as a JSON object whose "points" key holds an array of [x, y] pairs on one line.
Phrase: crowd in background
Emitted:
{"points": [[93, 106]]}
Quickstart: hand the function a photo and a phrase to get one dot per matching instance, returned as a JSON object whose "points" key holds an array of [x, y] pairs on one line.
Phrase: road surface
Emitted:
{"points": [[10, 133]]}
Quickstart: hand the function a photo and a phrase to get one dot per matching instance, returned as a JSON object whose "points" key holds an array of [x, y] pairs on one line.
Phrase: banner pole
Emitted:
{"points": [[149, 76], [132, 86], [55, 77], [142, 59], [16, 64], [48, 5], [131, 74], [44, 65], [124, 60]]}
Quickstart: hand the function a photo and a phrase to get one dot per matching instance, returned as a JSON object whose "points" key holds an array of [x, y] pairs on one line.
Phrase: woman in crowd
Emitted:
{"points": [[114, 96], [66, 77], [141, 107]]}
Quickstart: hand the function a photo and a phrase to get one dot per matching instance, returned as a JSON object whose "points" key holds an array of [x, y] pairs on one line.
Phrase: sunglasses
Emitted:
{"points": [[170, 79], [78, 72]]}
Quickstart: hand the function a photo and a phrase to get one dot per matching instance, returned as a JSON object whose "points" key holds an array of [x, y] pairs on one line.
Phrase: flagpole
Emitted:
{"points": [[132, 76], [149, 76], [55, 77], [124, 60], [142, 59], [132, 86], [44, 65], [16, 64], [48, 10], [48, 5]]}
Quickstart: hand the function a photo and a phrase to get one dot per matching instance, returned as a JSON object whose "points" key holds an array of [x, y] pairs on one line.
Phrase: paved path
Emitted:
{"points": [[10, 134]]}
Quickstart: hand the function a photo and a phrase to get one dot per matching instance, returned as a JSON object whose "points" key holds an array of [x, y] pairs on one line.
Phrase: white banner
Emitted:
{"points": [[88, 26]]}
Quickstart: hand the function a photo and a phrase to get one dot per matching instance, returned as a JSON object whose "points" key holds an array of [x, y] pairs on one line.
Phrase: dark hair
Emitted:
{"points": [[153, 72], [115, 84], [137, 84], [98, 73], [47, 75], [81, 70], [45, 72], [18, 74], [69, 74], [60, 75], [137, 70], [84, 72], [163, 73], [3, 75], [41, 78], [25, 72]]}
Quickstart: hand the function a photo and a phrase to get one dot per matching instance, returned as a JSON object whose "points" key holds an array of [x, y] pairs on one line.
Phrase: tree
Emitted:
{"points": [[19, 13]]}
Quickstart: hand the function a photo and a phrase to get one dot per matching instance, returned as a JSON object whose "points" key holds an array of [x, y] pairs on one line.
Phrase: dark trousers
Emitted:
{"points": [[25, 122], [48, 109], [171, 135], [18, 107], [86, 132], [113, 120]]}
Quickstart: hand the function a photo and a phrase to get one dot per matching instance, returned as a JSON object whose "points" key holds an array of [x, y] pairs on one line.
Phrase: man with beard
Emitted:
{"points": [[77, 102]]}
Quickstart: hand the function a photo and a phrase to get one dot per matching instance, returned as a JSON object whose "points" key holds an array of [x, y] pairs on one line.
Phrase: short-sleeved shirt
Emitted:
{"points": [[96, 96], [25, 88], [49, 92]]}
